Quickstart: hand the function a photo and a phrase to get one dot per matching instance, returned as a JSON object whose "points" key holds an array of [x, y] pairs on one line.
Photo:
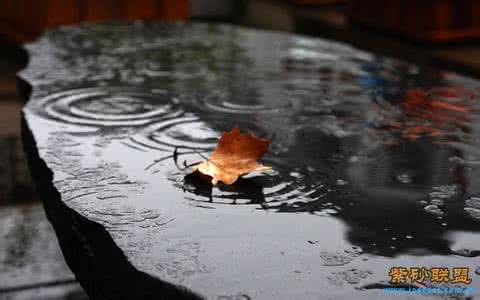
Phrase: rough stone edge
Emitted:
{"points": [[90, 252]]}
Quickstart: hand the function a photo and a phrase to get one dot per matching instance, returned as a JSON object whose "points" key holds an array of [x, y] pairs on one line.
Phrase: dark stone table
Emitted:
{"points": [[376, 163]]}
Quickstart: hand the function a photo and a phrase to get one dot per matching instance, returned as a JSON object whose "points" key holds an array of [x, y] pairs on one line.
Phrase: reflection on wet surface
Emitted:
{"points": [[375, 160], [31, 263]]}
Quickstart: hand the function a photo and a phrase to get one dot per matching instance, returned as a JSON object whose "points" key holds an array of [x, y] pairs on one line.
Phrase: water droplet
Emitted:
{"points": [[473, 201], [295, 174], [466, 162], [444, 191], [472, 206], [466, 252], [330, 211], [404, 178], [433, 209], [334, 259], [353, 159], [473, 212], [354, 252], [352, 276], [409, 237], [437, 202]]}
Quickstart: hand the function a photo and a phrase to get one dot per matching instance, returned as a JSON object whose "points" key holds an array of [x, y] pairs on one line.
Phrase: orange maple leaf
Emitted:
{"points": [[236, 154]]}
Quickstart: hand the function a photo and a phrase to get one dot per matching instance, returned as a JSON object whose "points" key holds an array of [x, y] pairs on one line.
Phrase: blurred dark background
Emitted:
{"points": [[442, 33]]}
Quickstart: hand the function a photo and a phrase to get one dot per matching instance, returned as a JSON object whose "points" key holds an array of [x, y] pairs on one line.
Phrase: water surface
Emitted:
{"points": [[376, 161]]}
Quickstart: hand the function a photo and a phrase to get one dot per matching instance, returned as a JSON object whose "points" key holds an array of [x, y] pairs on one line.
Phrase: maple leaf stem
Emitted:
{"points": [[201, 155], [175, 156], [209, 161]]}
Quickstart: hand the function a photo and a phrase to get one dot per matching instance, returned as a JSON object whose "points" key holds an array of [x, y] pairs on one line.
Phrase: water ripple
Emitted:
{"points": [[278, 189], [190, 132], [108, 106]]}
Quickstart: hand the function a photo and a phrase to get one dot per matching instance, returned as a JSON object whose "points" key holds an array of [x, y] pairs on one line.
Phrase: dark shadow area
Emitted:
{"points": [[243, 189], [16, 54], [15, 184]]}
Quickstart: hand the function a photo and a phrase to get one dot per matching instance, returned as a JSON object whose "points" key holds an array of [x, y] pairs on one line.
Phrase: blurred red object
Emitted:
{"points": [[442, 112], [429, 20], [317, 2], [23, 20]]}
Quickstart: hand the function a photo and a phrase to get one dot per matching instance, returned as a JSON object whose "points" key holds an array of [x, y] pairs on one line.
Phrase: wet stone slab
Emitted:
{"points": [[376, 162]]}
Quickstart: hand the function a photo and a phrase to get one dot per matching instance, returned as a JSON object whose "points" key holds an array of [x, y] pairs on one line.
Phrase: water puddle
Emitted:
{"points": [[405, 136], [386, 148]]}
